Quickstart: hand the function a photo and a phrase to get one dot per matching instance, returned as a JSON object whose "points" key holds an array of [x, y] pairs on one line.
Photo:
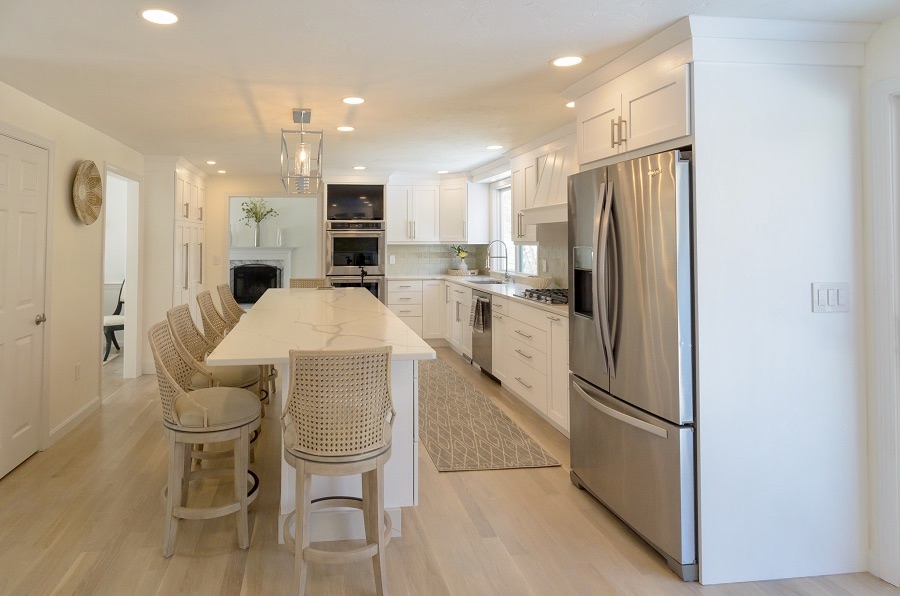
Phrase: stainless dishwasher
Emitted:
{"points": [[481, 330]]}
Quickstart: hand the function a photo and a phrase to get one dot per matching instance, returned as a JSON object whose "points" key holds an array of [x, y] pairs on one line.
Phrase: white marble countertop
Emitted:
{"points": [[507, 290], [312, 319]]}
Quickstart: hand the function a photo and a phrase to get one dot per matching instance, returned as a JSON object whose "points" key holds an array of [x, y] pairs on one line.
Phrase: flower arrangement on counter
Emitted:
{"points": [[459, 250], [256, 210]]}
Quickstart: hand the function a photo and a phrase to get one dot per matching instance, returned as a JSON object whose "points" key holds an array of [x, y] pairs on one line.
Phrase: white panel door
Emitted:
{"points": [[23, 234], [453, 212], [398, 214], [425, 214]]}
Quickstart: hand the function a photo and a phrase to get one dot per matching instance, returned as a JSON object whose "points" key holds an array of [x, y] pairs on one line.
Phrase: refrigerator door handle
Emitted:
{"points": [[602, 218], [614, 287], [629, 420]]}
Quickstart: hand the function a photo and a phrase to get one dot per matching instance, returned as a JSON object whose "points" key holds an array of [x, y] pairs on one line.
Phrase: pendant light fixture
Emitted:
{"points": [[301, 157]]}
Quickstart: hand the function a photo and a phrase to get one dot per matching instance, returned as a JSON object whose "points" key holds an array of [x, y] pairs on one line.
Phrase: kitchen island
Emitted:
{"points": [[335, 319]]}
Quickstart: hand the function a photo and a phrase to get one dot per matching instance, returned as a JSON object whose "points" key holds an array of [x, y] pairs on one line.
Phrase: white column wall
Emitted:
{"points": [[780, 390]]}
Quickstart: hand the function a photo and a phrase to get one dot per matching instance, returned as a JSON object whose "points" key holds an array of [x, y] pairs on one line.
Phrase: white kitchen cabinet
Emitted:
{"points": [[412, 214], [558, 368], [190, 197], [459, 334], [613, 120], [433, 315], [523, 179], [464, 212], [531, 348], [404, 299]]}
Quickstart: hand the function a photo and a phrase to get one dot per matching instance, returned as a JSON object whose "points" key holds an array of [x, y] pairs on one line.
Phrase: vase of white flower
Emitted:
{"points": [[461, 254]]}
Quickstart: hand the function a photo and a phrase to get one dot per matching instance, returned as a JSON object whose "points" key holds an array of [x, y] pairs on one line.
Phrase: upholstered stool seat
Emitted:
{"points": [[337, 422], [204, 416]]}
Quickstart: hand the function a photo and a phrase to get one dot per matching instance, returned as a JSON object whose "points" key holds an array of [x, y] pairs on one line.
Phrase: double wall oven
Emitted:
{"points": [[355, 255]]}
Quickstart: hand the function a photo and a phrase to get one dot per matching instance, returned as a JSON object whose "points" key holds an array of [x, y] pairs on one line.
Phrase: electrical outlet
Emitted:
{"points": [[393, 260], [77, 371], [543, 265], [215, 259]]}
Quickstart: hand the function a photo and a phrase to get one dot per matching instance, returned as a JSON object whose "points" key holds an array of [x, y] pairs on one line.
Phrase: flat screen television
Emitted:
{"points": [[354, 202]]}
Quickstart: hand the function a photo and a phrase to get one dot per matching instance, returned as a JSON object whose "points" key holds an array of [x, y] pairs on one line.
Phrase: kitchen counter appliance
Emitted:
{"points": [[556, 296], [631, 348]]}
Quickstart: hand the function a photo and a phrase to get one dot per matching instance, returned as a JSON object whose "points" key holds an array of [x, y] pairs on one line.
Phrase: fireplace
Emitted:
{"points": [[251, 280]]}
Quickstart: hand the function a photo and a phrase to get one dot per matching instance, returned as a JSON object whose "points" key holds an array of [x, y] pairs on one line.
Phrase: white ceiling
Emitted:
{"points": [[441, 78]]}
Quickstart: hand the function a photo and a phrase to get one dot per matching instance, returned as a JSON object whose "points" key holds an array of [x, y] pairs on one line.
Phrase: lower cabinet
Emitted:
{"points": [[405, 300], [433, 316], [531, 358], [458, 300]]}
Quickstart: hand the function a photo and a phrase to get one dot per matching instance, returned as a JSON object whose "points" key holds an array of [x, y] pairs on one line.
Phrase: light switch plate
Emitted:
{"points": [[830, 297], [393, 260]]}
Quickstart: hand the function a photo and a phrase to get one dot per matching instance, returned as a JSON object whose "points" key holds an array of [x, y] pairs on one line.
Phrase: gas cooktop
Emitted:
{"points": [[546, 296]]}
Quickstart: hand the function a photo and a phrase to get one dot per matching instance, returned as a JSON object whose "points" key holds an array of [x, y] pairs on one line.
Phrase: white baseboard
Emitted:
{"points": [[148, 367], [71, 422], [342, 524]]}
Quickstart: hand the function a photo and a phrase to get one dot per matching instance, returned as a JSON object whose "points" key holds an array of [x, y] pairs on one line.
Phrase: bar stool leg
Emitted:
{"points": [[186, 465], [375, 512], [241, 454], [173, 490], [301, 526]]}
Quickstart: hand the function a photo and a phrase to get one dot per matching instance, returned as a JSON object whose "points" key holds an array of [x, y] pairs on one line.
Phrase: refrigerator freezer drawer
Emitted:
{"points": [[640, 466]]}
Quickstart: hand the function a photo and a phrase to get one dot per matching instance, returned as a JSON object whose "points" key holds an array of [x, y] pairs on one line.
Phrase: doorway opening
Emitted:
{"points": [[121, 280]]}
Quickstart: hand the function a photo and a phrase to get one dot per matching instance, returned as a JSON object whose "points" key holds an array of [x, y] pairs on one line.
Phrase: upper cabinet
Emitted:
{"points": [[523, 177], [463, 213], [412, 214], [612, 119], [190, 197]]}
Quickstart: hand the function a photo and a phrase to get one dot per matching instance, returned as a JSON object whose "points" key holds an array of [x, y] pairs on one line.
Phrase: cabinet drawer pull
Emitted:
{"points": [[523, 382], [498, 306], [521, 353], [612, 133], [405, 286], [404, 298], [553, 318], [497, 317], [523, 334], [405, 311]]}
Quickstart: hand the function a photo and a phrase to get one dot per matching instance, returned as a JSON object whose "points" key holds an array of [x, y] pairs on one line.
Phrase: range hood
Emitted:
{"points": [[551, 194]]}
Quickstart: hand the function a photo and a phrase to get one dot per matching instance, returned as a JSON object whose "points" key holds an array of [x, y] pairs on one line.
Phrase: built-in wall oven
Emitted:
{"points": [[351, 245]]}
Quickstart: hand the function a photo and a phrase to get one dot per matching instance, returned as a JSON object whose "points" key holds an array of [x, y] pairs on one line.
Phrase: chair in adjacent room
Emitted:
{"points": [[308, 282], [114, 322], [337, 422], [202, 416], [231, 310]]}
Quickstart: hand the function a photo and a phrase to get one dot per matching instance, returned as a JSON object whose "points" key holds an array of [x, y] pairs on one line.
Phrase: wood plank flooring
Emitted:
{"points": [[84, 517]]}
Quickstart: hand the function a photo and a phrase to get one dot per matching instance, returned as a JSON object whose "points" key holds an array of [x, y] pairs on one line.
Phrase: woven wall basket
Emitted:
{"points": [[87, 192]]}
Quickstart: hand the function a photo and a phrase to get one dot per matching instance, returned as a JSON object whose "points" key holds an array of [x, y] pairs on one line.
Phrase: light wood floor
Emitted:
{"points": [[84, 517]]}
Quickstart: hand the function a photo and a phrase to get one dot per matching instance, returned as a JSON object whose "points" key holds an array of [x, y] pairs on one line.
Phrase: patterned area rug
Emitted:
{"points": [[463, 430]]}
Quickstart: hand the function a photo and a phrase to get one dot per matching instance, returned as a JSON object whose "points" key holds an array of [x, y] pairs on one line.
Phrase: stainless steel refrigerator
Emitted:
{"points": [[631, 348]]}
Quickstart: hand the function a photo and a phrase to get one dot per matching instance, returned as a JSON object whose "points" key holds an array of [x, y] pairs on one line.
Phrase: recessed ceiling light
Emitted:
{"points": [[212, 163], [354, 100], [567, 61], [359, 167], [345, 128], [159, 16], [443, 171], [571, 104], [494, 147], [221, 171]]}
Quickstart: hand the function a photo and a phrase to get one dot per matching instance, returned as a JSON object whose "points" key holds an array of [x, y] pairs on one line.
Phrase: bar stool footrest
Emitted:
{"points": [[312, 554]]}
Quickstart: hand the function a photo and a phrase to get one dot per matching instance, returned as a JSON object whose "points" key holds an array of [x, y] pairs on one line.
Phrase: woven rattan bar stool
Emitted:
{"points": [[231, 310], [212, 415], [308, 282], [215, 328], [337, 422]]}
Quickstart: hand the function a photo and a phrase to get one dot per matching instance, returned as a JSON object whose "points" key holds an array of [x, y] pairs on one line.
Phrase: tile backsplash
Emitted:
{"points": [[431, 259]]}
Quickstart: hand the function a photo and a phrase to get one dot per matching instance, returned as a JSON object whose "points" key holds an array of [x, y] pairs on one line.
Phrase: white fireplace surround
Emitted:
{"points": [[248, 255]]}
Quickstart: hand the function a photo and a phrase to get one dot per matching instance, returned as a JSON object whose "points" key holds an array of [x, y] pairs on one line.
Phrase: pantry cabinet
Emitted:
{"points": [[612, 119]]}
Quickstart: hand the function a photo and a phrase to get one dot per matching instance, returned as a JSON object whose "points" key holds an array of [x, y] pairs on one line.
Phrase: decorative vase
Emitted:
{"points": [[256, 235], [279, 238], [462, 264]]}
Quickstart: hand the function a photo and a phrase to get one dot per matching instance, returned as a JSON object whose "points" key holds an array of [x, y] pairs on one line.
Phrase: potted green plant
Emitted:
{"points": [[256, 210]]}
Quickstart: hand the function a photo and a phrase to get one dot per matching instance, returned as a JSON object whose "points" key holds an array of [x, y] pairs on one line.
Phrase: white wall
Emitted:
{"points": [[74, 291], [298, 220], [115, 202], [780, 390]]}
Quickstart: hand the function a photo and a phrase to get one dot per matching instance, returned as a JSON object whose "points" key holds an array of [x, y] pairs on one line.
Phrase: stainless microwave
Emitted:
{"points": [[354, 202]]}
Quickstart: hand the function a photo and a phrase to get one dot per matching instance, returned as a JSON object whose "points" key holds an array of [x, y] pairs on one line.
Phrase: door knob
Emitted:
{"points": [[41, 318]]}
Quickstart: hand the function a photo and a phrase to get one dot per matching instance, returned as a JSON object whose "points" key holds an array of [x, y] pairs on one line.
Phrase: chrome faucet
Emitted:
{"points": [[507, 277]]}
